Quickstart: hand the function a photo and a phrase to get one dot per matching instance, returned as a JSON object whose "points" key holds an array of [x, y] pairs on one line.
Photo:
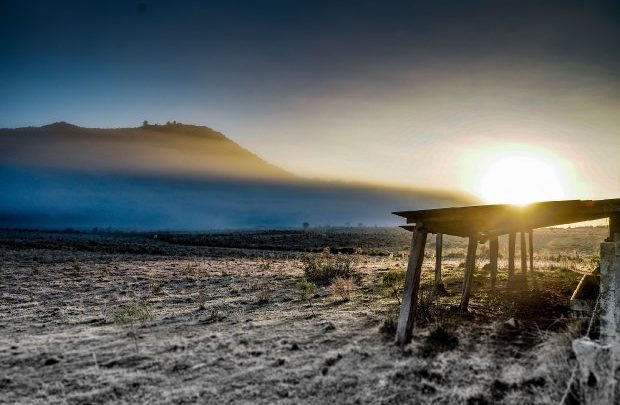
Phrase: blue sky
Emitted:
{"points": [[383, 91]]}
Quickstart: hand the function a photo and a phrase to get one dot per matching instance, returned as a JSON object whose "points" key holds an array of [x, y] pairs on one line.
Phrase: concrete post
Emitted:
{"points": [[595, 371], [610, 292], [597, 362]]}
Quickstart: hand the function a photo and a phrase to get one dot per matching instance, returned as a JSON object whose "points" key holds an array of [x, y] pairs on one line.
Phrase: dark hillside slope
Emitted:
{"points": [[173, 149]]}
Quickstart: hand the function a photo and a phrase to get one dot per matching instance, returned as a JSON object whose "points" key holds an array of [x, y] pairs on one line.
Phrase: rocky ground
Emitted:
{"points": [[227, 325]]}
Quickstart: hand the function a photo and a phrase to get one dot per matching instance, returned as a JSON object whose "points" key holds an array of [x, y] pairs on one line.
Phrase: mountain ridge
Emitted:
{"points": [[170, 148]]}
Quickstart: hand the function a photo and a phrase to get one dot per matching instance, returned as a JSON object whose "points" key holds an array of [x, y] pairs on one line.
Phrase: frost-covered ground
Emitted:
{"points": [[228, 326]]}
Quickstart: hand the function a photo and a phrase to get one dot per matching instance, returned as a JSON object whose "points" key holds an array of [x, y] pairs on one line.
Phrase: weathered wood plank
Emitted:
{"points": [[464, 221], [523, 247], [531, 247], [412, 286], [614, 227], [438, 254], [493, 254], [512, 239], [470, 263]]}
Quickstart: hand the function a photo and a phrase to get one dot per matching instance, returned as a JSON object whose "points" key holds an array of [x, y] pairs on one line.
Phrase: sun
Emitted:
{"points": [[520, 179]]}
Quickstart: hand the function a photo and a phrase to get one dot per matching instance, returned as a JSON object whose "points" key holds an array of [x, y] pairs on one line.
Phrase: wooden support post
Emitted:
{"points": [[412, 285], [531, 246], [512, 238], [470, 263], [614, 228], [523, 254], [438, 254], [493, 253]]}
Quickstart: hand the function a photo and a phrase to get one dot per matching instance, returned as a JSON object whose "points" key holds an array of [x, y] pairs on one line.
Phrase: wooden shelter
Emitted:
{"points": [[484, 223]]}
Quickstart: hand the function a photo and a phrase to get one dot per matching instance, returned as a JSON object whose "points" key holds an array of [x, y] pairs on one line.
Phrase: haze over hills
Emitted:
{"points": [[175, 176]]}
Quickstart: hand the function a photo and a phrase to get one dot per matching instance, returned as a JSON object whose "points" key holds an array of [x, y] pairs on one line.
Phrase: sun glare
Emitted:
{"points": [[520, 180]]}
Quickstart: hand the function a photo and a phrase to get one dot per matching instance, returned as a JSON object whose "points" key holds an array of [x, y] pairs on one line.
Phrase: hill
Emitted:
{"points": [[172, 149]]}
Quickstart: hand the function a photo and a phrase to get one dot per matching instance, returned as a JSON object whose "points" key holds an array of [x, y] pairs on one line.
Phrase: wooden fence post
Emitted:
{"points": [[531, 246], [470, 263], [493, 253], [438, 253], [512, 238], [412, 286], [523, 254]]}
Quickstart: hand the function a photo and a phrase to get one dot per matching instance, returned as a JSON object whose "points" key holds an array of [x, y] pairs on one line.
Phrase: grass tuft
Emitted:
{"points": [[343, 288], [393, 283], [325, 267]]}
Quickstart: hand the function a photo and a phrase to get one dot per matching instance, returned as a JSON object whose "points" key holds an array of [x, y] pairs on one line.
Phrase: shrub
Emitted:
{"points": [[131, 313], [155, 287], [442, 338], [426, 310], [263, 293], [306, 289], [76, 269], [342, 287], [323, 268], [306, 292], [201, 299], [390, 323], [264, 265], [393, 282]]}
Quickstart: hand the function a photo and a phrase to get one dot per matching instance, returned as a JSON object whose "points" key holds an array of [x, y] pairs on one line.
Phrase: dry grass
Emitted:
{"points": [[393, 282], [325, 267], [236, 351], [342, 288], [263, 293], [553, 359]]}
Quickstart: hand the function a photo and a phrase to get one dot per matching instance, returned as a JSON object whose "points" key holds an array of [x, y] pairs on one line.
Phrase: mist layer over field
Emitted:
{"points": [[56, 199], [174, 176]]}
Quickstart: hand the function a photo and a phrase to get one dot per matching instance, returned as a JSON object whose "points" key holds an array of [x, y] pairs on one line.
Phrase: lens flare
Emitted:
{"points": [[520, 180]]}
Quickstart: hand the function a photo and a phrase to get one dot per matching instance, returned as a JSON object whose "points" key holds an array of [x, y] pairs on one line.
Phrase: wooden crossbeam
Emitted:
{"points": [[504, 218], [482, 223]]}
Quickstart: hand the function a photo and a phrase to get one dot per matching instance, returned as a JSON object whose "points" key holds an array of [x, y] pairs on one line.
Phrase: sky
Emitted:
{"points": [[417, 93]]}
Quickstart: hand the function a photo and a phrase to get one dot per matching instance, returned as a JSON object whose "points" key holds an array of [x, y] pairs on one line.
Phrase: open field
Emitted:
{"points": [[224, 322]]}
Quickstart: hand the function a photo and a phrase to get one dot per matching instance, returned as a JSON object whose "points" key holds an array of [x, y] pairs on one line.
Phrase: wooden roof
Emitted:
{"points": [[499, 219]]}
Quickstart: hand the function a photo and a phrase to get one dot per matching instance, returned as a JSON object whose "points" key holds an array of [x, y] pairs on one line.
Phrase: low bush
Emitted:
{"points": [[306, 292], [393, 282], [264, 265], [427, 309], [343, 288], [201, 299], [442, 338], [131, 313], [306, 289], [263, 293], [390, 323], [324, 268]]}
